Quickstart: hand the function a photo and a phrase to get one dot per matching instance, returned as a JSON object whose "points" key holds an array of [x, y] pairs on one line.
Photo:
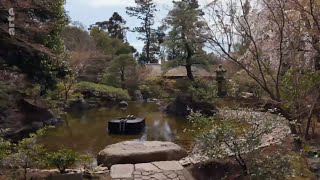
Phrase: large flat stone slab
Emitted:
{"points": [[122, 171], [133, 152], [168, 165]]}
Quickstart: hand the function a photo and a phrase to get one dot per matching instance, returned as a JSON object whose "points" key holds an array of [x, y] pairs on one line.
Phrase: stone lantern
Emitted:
{"points": [[221, 79]]}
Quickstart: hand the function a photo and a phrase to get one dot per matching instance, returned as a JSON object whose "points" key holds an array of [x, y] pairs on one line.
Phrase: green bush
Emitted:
{"points": [[5, 148], [25, 154], [157, 88], [101, 90], [275, 166], [183, 84], [203, 91], [234, 135], [62, 159]]}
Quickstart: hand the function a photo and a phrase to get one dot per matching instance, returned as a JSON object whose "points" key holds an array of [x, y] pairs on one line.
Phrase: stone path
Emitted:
{"points": [[162, 170]]}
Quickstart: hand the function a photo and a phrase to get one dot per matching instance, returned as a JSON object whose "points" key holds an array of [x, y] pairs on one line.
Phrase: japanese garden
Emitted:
{"points": [[160, 90]]}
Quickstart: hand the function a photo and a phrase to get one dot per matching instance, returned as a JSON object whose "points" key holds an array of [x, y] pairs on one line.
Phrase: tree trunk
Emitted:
{"points": [[148, 50], [65, 98], [310, 115], [25, 172], [306, 136], [123, 81], [148, 36], [242, 164], [189, 72], [287, 115]]}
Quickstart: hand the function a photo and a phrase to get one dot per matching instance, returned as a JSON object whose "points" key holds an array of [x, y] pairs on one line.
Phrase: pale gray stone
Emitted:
{"points": [[146, 177], [185, 161], [145, 167], [173, 175], [146, 173], [140, 152], [122, 171], [160, 176], [168, 165], [137, 173]]}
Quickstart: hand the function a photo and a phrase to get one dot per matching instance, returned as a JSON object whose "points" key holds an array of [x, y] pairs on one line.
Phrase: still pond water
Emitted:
{"points": [[87, 131]]}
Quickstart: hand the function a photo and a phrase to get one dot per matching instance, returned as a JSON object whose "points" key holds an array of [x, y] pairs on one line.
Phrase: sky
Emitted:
{"points": [[90, 11]]}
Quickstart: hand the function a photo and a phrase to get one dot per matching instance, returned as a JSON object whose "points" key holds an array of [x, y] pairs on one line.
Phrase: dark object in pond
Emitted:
{"points": [[123, 104], [128, 125]]}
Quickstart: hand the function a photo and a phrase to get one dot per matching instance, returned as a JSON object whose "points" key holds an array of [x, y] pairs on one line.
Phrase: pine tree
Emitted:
{"points": [[184, 42], [144, 11], [116, 26]]}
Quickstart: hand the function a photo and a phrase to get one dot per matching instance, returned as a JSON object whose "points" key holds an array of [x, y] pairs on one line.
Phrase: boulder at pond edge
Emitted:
{"points": [[133, 152]]}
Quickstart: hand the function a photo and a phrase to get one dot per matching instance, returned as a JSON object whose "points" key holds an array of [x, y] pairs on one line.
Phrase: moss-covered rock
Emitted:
{"points": [[99, 94]]}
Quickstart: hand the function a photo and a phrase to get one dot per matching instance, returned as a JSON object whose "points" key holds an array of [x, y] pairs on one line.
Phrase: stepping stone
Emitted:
{"points": [[146, 177], [172, 176], [159, 176], [137, 173], [122, 171], [168, 165], [146, 167]]}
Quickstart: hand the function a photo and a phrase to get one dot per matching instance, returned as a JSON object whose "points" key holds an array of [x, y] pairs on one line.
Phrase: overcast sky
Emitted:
{"points": [[90, 11]]}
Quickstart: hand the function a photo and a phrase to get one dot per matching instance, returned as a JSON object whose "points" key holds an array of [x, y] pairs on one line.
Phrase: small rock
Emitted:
{"points": [[314, 164], [185, 161]]}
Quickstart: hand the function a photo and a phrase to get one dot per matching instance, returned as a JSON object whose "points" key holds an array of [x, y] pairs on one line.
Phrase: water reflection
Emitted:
{"points": [[159, 130], [87, 131]]}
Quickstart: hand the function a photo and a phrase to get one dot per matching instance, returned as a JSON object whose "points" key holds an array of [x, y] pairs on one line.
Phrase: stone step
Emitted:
{"points": [[161, 170]]}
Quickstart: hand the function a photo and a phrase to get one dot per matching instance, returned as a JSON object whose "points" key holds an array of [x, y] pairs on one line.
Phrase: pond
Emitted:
{"points": [[87, 131]]}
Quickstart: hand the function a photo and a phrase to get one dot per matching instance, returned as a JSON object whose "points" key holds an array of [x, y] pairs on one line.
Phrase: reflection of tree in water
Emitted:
{"points": [[160, 130]]}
